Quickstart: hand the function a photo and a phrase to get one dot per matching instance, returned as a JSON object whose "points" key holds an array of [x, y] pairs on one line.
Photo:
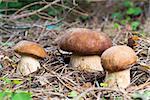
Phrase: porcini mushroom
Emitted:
{"points": [[86, 46], [30, 52], [117, 60]]}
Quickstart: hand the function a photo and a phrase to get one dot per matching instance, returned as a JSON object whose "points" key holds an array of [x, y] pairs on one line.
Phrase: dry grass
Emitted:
{"points": [[56, 79]]}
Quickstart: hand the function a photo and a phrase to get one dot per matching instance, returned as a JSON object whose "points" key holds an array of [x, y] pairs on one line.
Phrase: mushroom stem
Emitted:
{"points": [[28, 65], [119, 79], [86, 63]]}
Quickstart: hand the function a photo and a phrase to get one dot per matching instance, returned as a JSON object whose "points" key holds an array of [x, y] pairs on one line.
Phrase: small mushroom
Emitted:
{"points": [[87, 46], [30, 53], [117, 60]]}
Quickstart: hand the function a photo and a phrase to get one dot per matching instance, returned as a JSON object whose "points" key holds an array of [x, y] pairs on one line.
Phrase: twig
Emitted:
{"points": [[71, 9], [137, 88], [59, 78], [44, 16], [1, 10], [136, 78], [41, 9], [69, 87], [100, 89], [148, 54], [49, 92], [34, 12], [98, 96], [27, 6], [76, 11]]}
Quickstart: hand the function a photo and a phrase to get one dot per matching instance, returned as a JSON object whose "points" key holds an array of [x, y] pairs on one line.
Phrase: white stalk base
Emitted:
{"points": [[118, 80], [28, 65], [86, 63]]}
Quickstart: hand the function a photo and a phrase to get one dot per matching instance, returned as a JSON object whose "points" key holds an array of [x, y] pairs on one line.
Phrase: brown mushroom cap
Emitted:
{"points": [[118, 58], [84, 41], [27, 47]]}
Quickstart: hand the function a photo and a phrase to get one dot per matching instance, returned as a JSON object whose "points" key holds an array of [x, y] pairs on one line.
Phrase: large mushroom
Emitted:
{"points": [[30, 53], [117, 60], [87, 46]]}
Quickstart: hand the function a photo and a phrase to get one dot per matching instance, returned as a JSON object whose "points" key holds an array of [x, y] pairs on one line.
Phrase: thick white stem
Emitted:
{"points": [[119, 79], [86, 63], [28, 65]]}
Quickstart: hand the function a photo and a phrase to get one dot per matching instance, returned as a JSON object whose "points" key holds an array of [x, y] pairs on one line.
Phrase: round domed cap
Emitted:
{"points": [[118, 58], [84, 41], [32, 48]]}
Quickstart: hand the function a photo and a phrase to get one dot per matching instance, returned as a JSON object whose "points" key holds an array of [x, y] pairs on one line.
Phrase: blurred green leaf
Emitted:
{"points": [[135, 25], [34, 17], [2, 95], [53, 11], [141, 95], [10, 44], [117, 15], [3, 5], [7, 80], [84, 17], [128, 3], [143, 34], [14, 5], [128, 18], [36, 7], [147, 93], [116, 26], [118, 98], [5, 95], [103, 98], [134, 11], [72, 94], [22, 95], [124, 22]]}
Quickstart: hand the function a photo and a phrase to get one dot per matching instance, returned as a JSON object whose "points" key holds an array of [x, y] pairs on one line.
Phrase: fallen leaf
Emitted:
{"points": [[73, 94]]}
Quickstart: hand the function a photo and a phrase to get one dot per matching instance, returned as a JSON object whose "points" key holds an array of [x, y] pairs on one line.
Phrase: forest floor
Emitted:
{"points": [[56, 79]]}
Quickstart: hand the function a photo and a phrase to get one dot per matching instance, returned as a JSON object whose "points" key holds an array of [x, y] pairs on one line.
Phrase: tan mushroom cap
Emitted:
{"points": [[27, 47], [118, 58], [84, 41]]}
